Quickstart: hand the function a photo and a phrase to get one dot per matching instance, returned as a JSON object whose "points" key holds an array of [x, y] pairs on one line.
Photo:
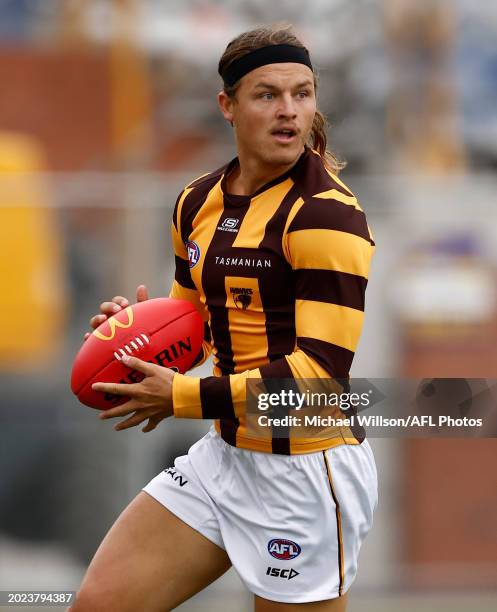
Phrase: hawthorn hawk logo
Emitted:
{"points": [[242, 296]]}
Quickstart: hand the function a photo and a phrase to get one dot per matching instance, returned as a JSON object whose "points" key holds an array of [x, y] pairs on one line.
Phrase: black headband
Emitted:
{"points": [[272, 54]]}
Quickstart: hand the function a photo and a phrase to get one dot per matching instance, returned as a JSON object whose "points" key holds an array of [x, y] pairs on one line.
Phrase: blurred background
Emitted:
{"points": [[107, 109]]}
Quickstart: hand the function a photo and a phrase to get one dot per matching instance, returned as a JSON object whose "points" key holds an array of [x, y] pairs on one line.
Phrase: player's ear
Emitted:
{"points": [[226, 106]]}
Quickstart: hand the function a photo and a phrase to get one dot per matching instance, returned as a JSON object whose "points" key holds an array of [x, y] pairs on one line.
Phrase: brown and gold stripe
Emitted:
{"points": [[339, 525]]}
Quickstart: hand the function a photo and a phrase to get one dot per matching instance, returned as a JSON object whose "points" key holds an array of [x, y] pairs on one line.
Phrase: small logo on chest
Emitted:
{"points": [[229, 225]]}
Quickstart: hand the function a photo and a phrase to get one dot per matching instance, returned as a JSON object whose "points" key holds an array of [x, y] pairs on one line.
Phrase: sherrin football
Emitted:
{"points": [[165, 331]]}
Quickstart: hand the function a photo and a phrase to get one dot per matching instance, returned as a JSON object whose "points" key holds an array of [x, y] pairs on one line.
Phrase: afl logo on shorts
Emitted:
{"points": [[193, 251], [284, 550]]}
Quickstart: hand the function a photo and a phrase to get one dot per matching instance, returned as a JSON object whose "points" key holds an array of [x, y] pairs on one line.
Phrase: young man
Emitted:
{"points": [[274, 251]]}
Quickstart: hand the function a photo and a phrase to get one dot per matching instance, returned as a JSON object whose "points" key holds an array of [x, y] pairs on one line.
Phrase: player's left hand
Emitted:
{"points": [[149, 399]]}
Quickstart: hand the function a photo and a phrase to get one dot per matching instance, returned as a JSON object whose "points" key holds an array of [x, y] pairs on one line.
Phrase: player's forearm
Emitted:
{"points": [[213, 397], [224, 397]]}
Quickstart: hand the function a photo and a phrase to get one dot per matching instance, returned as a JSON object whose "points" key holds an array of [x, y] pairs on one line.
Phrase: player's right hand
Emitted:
{"points": [[107, 309]]}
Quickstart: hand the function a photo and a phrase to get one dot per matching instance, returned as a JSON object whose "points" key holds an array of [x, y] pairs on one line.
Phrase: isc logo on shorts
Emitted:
{"points": [[277, 572], [193, 251], [283, 549]]}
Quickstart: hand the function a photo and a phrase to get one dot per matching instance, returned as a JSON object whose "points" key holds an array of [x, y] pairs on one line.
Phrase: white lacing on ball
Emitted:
{"points": [[136, 345]]}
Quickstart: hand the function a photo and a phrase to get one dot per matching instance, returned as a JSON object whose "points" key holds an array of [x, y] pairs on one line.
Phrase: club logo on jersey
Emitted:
{"points": [[114, 323], [228, 225], [242, 297], [283, 549], [193, 251], [277, 572]]}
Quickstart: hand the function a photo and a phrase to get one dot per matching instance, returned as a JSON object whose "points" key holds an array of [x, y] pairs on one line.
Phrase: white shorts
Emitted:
{"points": [[291, 525]]}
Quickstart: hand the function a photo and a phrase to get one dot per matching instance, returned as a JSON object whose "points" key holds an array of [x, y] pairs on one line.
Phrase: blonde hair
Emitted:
{"points": [[276, 35]]}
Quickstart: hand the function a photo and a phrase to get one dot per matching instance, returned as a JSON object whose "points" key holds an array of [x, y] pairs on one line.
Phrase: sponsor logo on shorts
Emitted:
{"points": [[178, 478], [284, 550], [286, 573], [193, 251]]}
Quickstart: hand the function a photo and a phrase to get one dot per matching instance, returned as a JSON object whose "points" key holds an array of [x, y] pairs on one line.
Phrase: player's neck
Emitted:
{"points": [[249, 176]]}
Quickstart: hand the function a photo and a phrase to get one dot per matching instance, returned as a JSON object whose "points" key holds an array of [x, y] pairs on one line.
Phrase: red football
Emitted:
{"points": [[164, 331]]}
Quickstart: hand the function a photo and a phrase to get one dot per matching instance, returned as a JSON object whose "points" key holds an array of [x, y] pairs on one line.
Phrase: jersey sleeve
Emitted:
{"points": [[183, 287], [329, 247]]}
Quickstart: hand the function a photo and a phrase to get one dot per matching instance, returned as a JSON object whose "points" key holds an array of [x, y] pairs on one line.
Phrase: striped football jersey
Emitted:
{"points": [[279, 278]]}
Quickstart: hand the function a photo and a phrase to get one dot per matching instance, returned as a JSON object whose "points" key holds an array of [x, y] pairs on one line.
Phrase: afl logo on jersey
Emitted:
{"points": [[284, 550], [193, 251]]}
